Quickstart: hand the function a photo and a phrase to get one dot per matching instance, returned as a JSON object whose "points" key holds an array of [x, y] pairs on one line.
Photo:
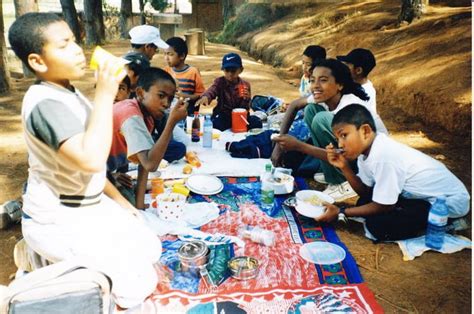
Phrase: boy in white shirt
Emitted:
{"points": [[397, 184], [361, 62], [70, 209]]}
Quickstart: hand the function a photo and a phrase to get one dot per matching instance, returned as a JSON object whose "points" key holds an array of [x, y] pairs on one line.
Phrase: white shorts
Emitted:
{"points": [[110, 239]]}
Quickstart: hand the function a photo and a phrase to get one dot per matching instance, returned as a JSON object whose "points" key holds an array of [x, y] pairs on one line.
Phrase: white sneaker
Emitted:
{"points": [[340, 192], [10, 213], [319, 177]]}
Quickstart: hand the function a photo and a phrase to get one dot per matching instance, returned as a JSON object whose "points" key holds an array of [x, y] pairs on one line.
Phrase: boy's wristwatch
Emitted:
{"points": [[342, 214]]}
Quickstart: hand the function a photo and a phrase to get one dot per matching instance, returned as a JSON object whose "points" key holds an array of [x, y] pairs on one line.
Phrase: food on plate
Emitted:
{"points": [[187, 169], [314, 200]]}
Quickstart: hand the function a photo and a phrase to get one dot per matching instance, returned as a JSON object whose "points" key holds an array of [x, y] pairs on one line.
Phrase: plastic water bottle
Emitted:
{"points": [[267, 191], [258, 235], [437, 221], [207, 132]]}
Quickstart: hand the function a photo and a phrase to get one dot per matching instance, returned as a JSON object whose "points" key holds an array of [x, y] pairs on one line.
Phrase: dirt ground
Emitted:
{"points": [[431, 283]]}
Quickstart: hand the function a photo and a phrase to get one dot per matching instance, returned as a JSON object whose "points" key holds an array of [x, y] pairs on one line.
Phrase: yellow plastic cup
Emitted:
{"points": [[100, 55]]}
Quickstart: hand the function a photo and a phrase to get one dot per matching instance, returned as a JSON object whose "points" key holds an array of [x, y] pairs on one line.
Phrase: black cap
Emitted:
{"points": [[138, 61], [360, 58]]}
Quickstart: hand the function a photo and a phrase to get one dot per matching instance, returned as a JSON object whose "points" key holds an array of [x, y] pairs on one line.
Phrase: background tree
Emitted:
{"points": [[22, 7], [410, 10], [141, 5], [94, 22], [25, 6], [126, 18], [4, 77], [228, 9], [70, 15], [160, 5]]}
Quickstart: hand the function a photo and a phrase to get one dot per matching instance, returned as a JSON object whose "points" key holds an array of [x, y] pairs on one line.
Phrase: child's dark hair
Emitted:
{"points": [[354, 114], [26, 34], [138, 46], [126, 81], [151, 75], [342, 74], [179, 45], [138, 62], [315, 52]]}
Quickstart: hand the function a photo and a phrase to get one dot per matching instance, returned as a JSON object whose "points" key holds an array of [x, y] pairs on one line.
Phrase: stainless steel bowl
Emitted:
{"points": [[243, 267], [193, 255]]}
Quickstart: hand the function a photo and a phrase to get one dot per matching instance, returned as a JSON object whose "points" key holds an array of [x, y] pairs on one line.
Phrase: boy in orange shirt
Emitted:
{"points": [[187, 77]]}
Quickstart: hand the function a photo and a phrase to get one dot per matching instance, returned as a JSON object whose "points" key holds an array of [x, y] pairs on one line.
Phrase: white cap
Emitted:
{"points": [[147, 34]]}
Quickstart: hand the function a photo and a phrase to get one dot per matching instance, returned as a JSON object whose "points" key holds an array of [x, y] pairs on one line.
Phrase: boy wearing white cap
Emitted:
{"points": [[146, 39]]}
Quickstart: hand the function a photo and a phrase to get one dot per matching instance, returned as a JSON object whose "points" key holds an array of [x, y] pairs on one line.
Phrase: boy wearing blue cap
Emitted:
{"points": [[231, 92]]}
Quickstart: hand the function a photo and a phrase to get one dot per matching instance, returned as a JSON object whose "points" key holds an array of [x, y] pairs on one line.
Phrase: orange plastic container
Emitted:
{"points": [[239, 120]]}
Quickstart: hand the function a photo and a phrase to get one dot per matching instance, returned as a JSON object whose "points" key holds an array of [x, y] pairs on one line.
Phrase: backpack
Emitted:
{"points": [[64, 287], [267, 104]]}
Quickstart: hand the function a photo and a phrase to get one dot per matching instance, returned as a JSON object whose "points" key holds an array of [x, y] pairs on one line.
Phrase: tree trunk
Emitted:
{"points": [[228, 9], [141, 4], [70, 15], [411, 9], [94, 22], [4, 75], [25, 6], [22, 7], [126, 18]]}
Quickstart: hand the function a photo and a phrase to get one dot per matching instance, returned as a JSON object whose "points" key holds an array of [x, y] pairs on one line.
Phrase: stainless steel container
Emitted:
{"points": [[193, 255], [243, 267]]}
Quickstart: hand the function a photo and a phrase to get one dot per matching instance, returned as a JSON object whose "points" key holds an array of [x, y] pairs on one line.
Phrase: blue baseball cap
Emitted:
{"points": [[231, 60]]}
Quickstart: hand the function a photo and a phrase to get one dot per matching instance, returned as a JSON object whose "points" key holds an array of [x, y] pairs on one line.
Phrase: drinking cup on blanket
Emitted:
{"points": [[100, 55], [157, 187], [170, 206]]}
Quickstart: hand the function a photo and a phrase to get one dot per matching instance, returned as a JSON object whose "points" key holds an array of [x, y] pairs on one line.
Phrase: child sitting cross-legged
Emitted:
{"points": [[396, 183], [231, 92], [70, 209], [333, 89]]}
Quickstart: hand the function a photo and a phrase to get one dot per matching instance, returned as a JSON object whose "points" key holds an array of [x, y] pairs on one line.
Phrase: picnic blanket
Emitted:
{"points": [[216, 161], [286, 283]]}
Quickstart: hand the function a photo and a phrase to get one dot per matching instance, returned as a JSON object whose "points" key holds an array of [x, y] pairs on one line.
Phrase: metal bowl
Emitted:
{"points": [[243, 267], [193, 255]]}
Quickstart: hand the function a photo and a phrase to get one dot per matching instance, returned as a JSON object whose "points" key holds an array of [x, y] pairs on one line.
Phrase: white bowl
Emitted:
{"points": [[285, 186], [305, 203], [170, 206]]}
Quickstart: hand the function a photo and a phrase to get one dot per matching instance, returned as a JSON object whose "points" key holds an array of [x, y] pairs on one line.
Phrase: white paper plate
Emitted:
{"points": [[204, 184], [322, 253]]}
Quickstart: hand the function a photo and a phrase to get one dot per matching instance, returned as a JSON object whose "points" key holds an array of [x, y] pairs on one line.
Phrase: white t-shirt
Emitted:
{"points": [[349, 99], [370, 91], [393, 168], [305, 89]]}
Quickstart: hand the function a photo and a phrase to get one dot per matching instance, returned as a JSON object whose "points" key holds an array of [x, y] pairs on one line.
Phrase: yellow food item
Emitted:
{"points": [[192, 159], [181, 189], [216, 135], [170, 183], [187, 169], [314, 200]]}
